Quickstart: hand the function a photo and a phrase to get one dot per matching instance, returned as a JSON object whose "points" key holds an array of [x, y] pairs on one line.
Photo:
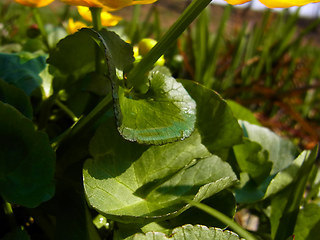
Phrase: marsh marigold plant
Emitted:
{"points": [[34, 3], [275, 3]]}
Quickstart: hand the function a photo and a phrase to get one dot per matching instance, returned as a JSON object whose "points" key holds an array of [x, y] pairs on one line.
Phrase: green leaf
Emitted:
{"points": [[165, 114], [15, 97], [281, 151], [121, 52], [308, 222], [253, 160], [242, 113], [250, 191], [286, 204], [144, 184], [71, 57], [26, 160], [285, 177], [22, 70], [215, 122], [189, 232], [254, 191], [75, 54]]}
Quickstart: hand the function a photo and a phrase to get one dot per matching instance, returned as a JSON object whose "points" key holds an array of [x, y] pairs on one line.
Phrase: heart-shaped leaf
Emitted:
{"points": [[75, 54], [146, 184], [165, 114], [26, 160]]}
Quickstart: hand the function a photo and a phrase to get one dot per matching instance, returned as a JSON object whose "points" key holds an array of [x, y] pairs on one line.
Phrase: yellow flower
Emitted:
{"points": [[118, 4], [276, 3], [35, 3], [74, 26], [107, 19], [86, 3], [110, 5]]}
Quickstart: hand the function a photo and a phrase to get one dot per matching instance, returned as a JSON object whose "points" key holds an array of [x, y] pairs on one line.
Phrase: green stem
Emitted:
{"points": [[39, 22], [223, 218], [83, 123], [67, 110], [93, 115], [136, 76], [96, 18]]}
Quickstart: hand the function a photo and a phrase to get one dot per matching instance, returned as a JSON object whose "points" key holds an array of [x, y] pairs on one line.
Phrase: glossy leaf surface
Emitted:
{"points": [[165, 114], [189, 232], [215, 122], [144, 184]]}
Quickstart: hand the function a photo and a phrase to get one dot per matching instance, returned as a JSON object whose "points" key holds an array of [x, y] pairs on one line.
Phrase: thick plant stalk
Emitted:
{"points": [[137, 74]]}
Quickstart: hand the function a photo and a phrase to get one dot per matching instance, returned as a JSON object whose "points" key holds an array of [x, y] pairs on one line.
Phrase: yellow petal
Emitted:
{"points": [[35, 3], [107, 19], [87, 3], [113, 5], [74, 26], [235, 2], [285, 3]]}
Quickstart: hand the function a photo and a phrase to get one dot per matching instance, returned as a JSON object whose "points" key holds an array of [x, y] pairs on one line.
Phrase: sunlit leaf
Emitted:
{"points": [[253, 160], [281, 151], [165, 114], [286, 176], [189, 232], [308, 222], [217, 126], [144, 184], [242, 113], [285, 205], [26, 160]]}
